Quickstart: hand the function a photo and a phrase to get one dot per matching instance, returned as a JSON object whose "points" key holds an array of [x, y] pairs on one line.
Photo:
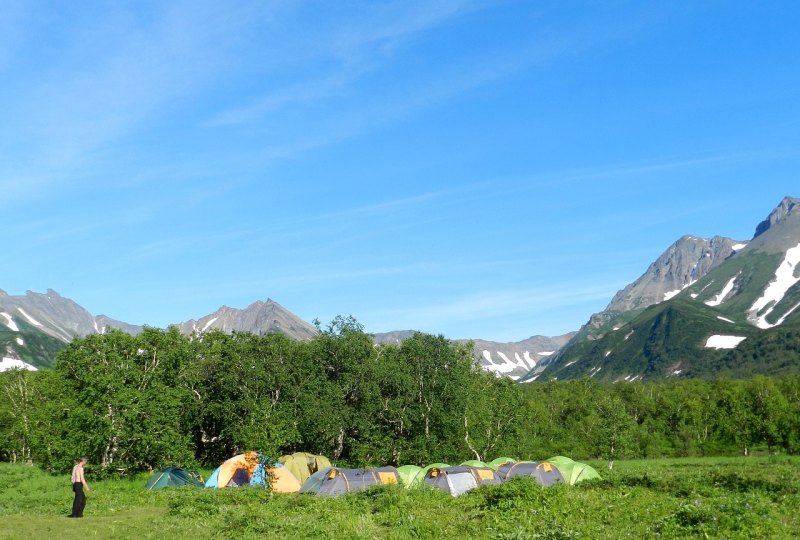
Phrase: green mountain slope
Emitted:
{"points": [[667, 339], [30, 345], [774, 352]]}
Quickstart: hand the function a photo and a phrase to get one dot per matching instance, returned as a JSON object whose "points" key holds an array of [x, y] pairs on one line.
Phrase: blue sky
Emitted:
{"points": [[487, 170]]}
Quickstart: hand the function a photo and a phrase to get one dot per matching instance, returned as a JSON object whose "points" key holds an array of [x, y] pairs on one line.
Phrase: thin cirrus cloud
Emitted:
{"points": [[93, 96], [488, 304], [418, 93], [344, 56]]}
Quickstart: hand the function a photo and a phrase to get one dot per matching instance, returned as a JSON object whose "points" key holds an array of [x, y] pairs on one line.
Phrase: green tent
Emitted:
{"points": [[303, 464], [173, 477], [407, 474], [474, 463], [417, 481], [573, 471], [499, 461]]}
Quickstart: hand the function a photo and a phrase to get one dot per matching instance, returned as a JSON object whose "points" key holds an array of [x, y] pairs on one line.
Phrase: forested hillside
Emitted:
{"points": [[161, 398]]}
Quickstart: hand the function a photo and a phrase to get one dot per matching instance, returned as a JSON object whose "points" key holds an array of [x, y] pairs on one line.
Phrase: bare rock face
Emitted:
{"points": [[57, 316], [683, 263], [781, 230], [259, 318], [788, 206]]}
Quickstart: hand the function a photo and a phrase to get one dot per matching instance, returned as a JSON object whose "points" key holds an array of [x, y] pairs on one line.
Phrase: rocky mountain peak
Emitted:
{"points": [[684, 262], [786, 207]]}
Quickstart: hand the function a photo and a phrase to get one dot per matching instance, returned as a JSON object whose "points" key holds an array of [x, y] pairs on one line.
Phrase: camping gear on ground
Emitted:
{"points": [[407, 474], [335, 481], [499, 461], [573, 471], [303, 464], [545, 473], [173, 477], [248, 469], [459, 480]]}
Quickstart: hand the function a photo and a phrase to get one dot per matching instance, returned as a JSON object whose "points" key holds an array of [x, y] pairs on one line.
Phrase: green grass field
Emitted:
{"points": [[755, 497]]}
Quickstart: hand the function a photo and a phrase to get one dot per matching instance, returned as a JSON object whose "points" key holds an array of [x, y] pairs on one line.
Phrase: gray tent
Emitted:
{"points": [[458, 480], [545, 473], [333, 481]]}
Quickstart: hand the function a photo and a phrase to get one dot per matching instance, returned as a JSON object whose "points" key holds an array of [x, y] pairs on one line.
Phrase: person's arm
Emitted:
{"points": [[83, 481]]}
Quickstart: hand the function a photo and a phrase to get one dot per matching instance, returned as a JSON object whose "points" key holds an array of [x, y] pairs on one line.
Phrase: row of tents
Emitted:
{"points": [[308, 473]]}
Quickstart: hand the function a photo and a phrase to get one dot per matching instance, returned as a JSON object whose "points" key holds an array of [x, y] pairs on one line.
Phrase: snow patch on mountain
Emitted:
{"points": [[211, 321], [11, 363], [726, 320], [723, 342], [504, 367], [726, 290], [20, 341], [527, 356], [525, 360], [10, 322], [738, 247], [30, 319], [672, 294], [775, 291]]}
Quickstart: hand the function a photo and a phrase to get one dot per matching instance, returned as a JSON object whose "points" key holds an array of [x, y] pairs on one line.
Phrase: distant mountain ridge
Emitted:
{"points": [[512, 360], [752, 290], [258, 318], [34, 326]]}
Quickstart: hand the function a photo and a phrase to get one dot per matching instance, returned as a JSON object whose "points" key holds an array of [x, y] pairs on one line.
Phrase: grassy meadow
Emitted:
{"points": [[753, 497]]}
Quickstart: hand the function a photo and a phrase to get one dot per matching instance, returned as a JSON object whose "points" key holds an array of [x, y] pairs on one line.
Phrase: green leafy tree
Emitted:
{"points": [[18, 399]]}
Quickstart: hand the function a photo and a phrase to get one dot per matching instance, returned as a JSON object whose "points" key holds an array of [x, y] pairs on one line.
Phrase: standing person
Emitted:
{"points": [[78, 483]]}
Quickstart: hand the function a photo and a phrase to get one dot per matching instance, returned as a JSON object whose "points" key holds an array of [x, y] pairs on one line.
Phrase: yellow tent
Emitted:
{"points": [[283, 481], [302, 464]]}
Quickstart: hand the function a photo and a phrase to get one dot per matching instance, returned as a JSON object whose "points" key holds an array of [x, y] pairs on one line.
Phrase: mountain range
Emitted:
{"points": [[692, 313], [34, 326], [736, 296]]}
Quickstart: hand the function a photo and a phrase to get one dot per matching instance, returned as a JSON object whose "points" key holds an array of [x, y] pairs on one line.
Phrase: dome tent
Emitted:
{"points": [[459, 480], [474, 463], [173, 477], [419, 479], [573, 471], [408, 474], [545, 473], [303, 464], [499, 461], [333, 481], [248, 469]]}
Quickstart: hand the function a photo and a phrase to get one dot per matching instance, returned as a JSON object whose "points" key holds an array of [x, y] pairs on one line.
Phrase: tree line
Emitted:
{"points": [[161, 398]]}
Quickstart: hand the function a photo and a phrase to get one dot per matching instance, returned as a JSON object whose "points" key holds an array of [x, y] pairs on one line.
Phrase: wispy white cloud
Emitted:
{"points": [[70, 113], [340, 55], [493, 303], [342, 119]]}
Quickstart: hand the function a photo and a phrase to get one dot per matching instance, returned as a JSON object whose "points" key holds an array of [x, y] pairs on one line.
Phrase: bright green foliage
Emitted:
{"points": [[133, 403], [125, 402]]}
